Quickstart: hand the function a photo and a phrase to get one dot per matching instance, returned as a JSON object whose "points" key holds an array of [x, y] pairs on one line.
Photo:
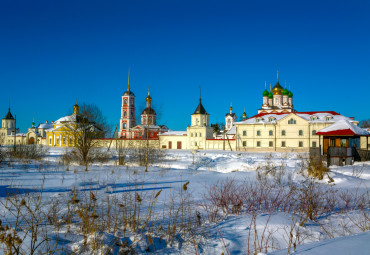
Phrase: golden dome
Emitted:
{"points": [[277, 89]]}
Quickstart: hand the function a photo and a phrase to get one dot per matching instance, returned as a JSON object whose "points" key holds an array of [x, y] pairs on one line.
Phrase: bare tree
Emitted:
{"points": [[86, 126], [365, 123]]}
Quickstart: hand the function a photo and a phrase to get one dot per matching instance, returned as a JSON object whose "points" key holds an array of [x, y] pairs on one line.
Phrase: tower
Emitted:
{"points": [[8, 122], [200, 117], [277, 91], [148, 116], [127, 120], [230, 118]]}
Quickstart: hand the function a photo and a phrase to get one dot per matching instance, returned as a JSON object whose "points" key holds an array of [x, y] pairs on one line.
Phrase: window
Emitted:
{"points": [[258, 132], [313, 117], [70, 140], [282, 132], [271, 133], [258, 143], [292, 121], [244, 133], [300, 132], [64, 140], [300, 144], [124, 114], [124, 125], [125, 101], [327, 118], [191, 134], [314, 144], [195, 143], [271, 119], [314, 132], [58, 140], [50, 140], [283, 144], [271, 144], [132, 101], [244, 144], [196, 134], [258, 119], [200, 134]]}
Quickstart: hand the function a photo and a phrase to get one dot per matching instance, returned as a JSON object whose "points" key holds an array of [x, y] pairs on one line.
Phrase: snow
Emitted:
{"points": [[272, 117], [171, 132], [201, 169], [344, 125]]}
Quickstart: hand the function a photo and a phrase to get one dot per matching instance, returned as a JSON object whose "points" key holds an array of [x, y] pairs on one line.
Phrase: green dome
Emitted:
{"points": [[285, 92], [290, 94], [271, 95], [265, 93]]}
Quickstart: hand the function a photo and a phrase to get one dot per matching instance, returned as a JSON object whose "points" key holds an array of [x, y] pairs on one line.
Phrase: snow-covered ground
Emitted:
{"points": [[182, 181]]}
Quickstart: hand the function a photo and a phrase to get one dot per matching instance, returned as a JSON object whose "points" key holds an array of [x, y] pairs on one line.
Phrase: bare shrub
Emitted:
{"points": [[32, 151], [317, 168]]}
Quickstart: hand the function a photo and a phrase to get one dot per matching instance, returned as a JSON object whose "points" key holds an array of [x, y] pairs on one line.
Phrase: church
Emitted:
{"points": [[148, 128]]}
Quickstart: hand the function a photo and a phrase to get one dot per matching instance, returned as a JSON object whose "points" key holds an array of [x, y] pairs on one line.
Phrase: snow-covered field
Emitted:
{"points": [[223, 203]]}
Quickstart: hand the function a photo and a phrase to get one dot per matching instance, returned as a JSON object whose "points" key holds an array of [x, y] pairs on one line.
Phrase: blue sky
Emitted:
{"points": [[54, 52]]}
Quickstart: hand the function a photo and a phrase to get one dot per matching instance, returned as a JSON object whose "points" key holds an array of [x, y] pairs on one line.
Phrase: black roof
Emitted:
{"points": [[148, 111], [200, 109], [230, 114], [9, 116], [129, 93]]}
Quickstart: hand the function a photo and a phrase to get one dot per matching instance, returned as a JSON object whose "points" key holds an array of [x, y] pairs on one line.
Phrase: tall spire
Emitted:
{"points": [[148, 91], [285, 83], [231, 107], [277, 75], [200, 94], [265, 84], [270, 87], [128, 86]]}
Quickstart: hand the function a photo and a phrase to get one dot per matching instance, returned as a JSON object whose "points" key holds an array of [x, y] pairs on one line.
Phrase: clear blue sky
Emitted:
{"points": [[52, 52]]}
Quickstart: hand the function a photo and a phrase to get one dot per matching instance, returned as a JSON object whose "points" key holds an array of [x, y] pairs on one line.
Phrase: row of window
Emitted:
{"points": [[195, 134], [125, 101], [283, 132], [64, 139], [293, 121], [125, 114], [283, 144]]}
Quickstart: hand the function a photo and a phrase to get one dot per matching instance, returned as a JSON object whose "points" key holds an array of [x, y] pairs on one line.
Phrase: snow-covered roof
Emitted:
{"points": [[342, 127], [313, 117], [232, 131], [68, 118], [45, 125], [171, 132]]}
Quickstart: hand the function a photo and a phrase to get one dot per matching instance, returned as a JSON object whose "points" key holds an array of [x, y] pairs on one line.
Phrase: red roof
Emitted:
{"points": [[338, 132]]}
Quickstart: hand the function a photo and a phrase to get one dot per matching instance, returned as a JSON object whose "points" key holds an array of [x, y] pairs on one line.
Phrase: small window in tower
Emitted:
{"points": [[125, 102], [124, 114], [132, 101], [124, 125]]}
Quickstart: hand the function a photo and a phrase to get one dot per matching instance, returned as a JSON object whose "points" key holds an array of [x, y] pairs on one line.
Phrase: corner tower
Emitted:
{"points": [[127, 120], [148, 116]]}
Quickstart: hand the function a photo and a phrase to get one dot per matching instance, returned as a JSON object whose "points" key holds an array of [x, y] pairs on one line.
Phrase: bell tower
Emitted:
{"points": [[127, 120]]}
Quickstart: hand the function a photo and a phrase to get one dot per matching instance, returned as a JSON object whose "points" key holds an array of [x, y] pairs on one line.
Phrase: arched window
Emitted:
{"points": [[124, 125], [271, 133], [124, 114], [125, 101], [314, 132], [292, 121]]}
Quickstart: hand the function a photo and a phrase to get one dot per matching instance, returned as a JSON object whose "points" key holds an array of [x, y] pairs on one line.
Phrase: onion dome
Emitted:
{"points": [[277, 89], [148, 110], [244, 115], [271, 95], [9, 116], [290, 94], [285, 92], [76, 108], [265, 93]]}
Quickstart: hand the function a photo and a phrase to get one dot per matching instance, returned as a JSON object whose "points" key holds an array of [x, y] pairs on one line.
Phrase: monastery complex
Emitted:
{"points": [[277, 126]]}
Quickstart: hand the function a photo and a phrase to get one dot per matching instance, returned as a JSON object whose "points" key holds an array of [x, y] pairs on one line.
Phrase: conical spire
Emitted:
{"points": [[128, 86], [277, 75], [148, 99], [231, 108]]}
